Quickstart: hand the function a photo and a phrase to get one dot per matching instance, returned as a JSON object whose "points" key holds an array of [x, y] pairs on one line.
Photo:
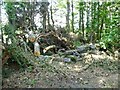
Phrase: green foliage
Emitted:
{"points": [[62, 4], [111, 35], [110, 40], [77, 43], [9, 30], [10, 9], [18, 54]]}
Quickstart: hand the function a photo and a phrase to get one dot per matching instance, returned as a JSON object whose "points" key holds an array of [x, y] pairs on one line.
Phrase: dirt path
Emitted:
{"points": [[100, 74]]}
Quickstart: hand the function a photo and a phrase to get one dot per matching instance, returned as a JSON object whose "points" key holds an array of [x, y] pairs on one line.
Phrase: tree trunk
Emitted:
{"points": [[88, 15], [79, 19], [92, 16], [83, 22], [48, 20], [67, 16], [101, 27], [72, 16], [98, 20], [51, 14], [44, 21], [0, 32], [0, 48]]}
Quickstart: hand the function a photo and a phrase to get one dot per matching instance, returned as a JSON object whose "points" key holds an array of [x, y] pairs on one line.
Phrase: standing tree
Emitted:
{"points": [[44, 10], [88, 15], [82, 17], [72, 15], [98, 20], [80, 12], [0, 47], [68, 16], [51, 11]]}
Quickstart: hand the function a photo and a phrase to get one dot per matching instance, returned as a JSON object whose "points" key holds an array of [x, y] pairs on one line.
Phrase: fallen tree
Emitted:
{"points": [[53, 38]]}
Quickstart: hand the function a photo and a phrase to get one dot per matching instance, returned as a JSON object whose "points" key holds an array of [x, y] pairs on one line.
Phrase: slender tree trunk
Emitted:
{"points": [[44, 21], [83, 21], [92, 16], [0, 20], [98, 21], [72, 16], [101, 27], [1, 31], [102, 19], [83, 24], [0, 48], [80, 19], [88, 20], [88, 15], [48, 20], [93, 23], [67, 16], [32, 15], [52, 15]]}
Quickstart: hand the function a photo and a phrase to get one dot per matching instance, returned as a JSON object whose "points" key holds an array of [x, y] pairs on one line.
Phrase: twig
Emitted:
{"points": [[41, 35]]}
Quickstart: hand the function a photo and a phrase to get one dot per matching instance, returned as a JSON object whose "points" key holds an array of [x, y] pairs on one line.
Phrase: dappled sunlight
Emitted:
{"points": [[104, 57], [73, 35], [69, 67], [88, 59], [61, 63], [97, 57], [101, 80], [77, 68], [110, 57], [59, 44]]}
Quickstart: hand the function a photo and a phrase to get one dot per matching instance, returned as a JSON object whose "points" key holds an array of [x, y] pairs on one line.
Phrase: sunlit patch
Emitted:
{"points": [[77, 68], [73, 35], [101, 81], [9, 41], [98, 57], [110, 57], [61, 63], [69, 67]]}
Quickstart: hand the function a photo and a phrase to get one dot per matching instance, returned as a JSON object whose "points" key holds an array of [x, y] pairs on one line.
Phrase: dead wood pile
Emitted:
{"points": [[52, 41], [54, 38]]}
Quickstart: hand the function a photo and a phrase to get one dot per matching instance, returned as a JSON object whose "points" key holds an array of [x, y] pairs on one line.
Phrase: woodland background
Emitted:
{"points": [[60, 28]]}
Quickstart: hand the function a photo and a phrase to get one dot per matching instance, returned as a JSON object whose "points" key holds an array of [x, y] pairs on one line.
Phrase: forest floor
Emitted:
{"points": [[91, 71]]}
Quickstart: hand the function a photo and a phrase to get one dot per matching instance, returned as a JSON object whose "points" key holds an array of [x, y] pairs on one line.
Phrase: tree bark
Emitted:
{"points": [[0, 48], [83, 22], [0, 32], [72, 16], [67, 16], [48, 19], [79, 17], [44, 21], [98, 20], [88, 15], [101, 27], [51, 11]]}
